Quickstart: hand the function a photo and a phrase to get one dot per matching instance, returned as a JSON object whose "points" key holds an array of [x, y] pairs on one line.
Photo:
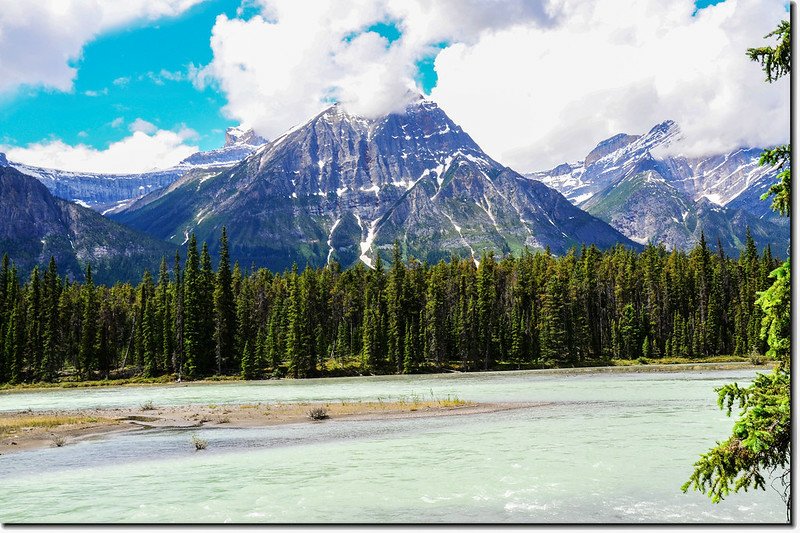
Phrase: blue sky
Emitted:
{"points": [[120, 75], [142, 72]]}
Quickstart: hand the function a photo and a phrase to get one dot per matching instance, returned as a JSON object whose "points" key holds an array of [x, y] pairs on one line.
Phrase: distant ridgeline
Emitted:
{"points": [[536, 310]]}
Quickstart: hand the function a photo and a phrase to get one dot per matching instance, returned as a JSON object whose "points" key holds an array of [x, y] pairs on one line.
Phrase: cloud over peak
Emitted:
{"points": [[283, 66], [535, 83]]}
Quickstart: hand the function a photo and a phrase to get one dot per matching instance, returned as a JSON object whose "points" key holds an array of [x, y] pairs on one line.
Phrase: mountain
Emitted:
{"points": [[109, 192], [344, 187], [37, 225], [628, 181]]}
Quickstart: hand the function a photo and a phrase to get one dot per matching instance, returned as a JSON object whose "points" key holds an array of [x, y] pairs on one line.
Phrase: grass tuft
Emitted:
{"points": [[199, 444], [318, 413]]}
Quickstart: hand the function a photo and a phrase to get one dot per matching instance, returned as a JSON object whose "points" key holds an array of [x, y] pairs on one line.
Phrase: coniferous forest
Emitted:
{"points": [[192, 320]]}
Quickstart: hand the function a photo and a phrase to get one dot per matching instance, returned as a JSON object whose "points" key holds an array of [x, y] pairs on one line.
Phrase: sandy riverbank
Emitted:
{"points": [[25, 430]]}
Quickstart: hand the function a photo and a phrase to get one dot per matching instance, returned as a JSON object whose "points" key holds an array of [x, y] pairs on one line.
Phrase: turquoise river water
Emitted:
{"points": [[607, 447]]}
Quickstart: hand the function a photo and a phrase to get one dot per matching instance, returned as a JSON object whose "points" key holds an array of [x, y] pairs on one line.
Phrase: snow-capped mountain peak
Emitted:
{"points": [[110, 192], [239, 135], [642, 188], [345, 187]]}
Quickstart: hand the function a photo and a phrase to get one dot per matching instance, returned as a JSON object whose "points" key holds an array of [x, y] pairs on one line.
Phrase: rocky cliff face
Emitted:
{"points": [[36, 225], [110, 192], [342, 187], [672, 199]]}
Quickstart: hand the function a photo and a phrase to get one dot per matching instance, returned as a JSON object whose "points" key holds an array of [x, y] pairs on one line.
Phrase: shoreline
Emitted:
{"points": [[635, 368], [23, 430], [28, 430]]}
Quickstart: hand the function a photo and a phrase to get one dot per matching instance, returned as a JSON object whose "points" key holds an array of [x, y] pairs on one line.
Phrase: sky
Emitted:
{"points": [[99, 85]]}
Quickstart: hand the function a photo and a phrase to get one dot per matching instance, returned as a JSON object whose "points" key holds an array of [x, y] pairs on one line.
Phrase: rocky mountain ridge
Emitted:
{"points": [[343, 187], [648, 193], [37, 225], [107, 193]]}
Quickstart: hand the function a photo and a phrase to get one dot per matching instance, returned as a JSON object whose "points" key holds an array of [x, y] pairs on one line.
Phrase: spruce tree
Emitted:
{"points": [[13, 346], [33, 326], [396, 310], [165, 318], [149, 345], [178, 298], [248, 362], [294, 326], [87, 356], [409, 361], [762, 438], [205, 302], [50, 357], [486, 288], [192, 310], [224, 306]]}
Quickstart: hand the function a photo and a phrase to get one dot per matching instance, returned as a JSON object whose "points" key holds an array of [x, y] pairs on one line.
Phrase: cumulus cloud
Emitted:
{"points": [[142, 125], [535, 83], [281, 67], [38, 40], [538, 97], [140, 152]]}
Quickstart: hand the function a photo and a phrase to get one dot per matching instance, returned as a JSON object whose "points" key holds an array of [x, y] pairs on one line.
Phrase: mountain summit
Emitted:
{"points": [[238, 135], [345, 187], [635, 184]]}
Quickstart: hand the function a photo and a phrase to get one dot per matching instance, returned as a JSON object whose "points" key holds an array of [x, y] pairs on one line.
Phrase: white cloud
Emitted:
{"points": [[136, 153], [534, 98], [142, 125], [535, 83], [39, 39], [280, 68]]}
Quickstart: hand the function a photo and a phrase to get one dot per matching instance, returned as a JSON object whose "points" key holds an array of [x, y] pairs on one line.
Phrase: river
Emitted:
{"points": [[604, 447]]}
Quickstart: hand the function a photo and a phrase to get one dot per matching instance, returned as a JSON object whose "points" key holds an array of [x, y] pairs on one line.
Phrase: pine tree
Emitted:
{"points": [[224, 306], [486, 287], [517, 339], [294, 327], [629, 333], [647, 350], [149, 345], [554, 341], [206, 348], [395, 310], [435, 317], [192, 309], [178, 299], [87, 354], [274, 352], [248, 362], [33, 326], [762, 439], [13, 346], [164, 317], [409, 361], [50, 356]]}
